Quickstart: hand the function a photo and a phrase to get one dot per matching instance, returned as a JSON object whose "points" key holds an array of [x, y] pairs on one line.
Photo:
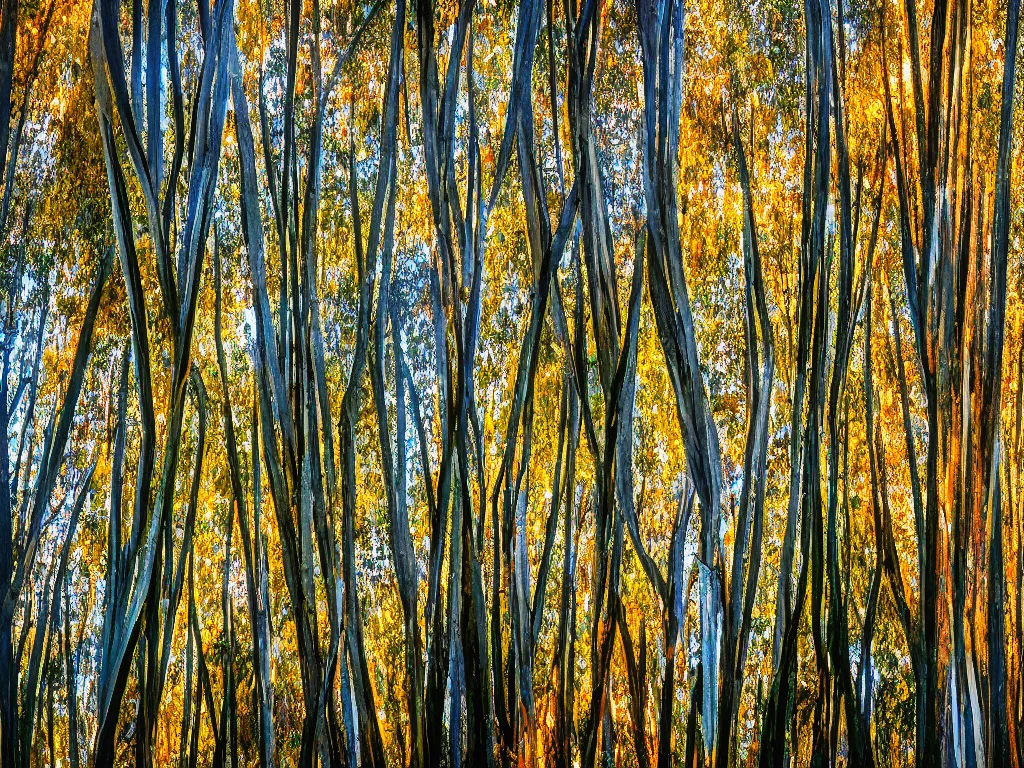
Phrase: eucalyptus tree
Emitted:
{"points": [[25, 298], [463, 661], [946, 260], [747, 550], [661, 41], [826, 127], [805, 483], [851, 288], [144, 578], [22, 688], [295, 420], [526, 595]]}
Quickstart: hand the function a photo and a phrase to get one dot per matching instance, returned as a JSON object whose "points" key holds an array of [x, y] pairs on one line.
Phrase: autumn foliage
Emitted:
{"points": [[469, 382]]}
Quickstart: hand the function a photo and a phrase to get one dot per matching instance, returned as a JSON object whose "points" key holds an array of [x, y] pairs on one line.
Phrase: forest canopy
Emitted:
{"points": [[470, 382]]}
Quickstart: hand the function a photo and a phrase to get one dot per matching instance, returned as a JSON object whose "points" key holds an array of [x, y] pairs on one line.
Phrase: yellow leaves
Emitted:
{"points": [[887, 398]]}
